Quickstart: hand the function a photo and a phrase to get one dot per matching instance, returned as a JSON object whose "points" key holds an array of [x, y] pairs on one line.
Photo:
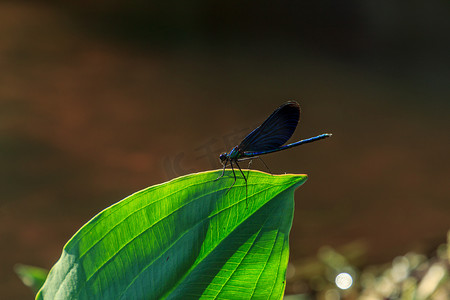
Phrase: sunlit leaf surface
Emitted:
{"points": [[184, 239]]}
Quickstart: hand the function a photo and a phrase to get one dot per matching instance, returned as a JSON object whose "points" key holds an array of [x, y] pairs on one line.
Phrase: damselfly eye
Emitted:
{"points": [[223, 157]]}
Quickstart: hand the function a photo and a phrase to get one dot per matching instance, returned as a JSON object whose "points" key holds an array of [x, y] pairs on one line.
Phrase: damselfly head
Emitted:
{"points": [[223, 157]]}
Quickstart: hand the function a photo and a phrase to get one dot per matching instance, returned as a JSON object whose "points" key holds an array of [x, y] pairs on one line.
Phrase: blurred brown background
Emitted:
{"points": [[99, 99]]}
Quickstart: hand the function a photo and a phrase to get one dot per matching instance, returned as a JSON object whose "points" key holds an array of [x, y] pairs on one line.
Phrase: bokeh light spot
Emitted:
{"points": [[344, 281]]}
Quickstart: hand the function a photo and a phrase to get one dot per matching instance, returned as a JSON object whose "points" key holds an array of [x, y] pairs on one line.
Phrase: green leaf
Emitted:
{"points": [[32, 277], [184, 239]]}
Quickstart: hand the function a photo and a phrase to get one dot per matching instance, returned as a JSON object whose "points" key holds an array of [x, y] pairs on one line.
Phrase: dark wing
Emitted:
{"points": [[276, 130]]}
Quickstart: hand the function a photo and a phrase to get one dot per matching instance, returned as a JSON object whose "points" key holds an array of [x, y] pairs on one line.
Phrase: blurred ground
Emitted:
{"points": [[97, 103]]}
